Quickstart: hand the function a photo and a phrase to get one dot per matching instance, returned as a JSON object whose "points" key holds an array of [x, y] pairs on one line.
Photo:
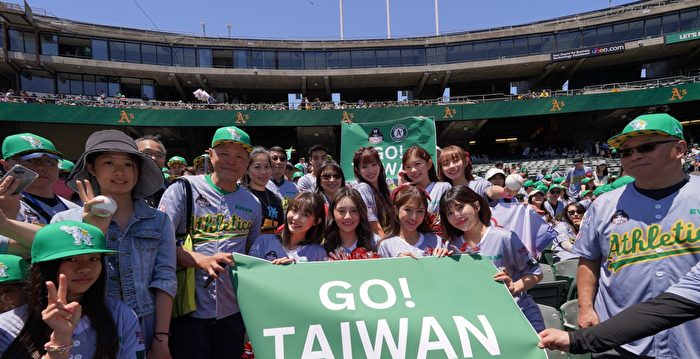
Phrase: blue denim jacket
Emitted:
{"points": [[145, 260]]}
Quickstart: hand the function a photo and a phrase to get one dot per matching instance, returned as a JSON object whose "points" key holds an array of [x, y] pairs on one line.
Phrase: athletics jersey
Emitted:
{"points": [[555, 212], [689, 286], [269, 247], [222, 222], [435, 191], [574, 178], [129, 332], [504, 249], [645, 246], [393, 246], [480, 186]]}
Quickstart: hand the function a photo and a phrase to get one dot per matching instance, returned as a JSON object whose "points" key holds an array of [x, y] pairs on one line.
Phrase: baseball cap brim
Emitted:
{"points": [[246, 146], [71, 253], [617, 140], [33, 155]]}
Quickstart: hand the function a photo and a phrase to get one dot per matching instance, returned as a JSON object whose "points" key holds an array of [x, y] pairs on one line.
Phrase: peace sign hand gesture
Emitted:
{"points": [[97, 218], [61, 316]]}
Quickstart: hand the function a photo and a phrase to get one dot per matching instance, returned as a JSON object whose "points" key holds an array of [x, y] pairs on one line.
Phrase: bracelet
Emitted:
{"points": [[155, 335], [57, 348]]}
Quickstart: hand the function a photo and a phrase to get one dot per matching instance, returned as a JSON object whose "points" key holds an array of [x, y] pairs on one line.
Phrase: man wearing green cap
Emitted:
{"points": [[177, 166], [639, 239], [38, 203], [225, 219]]}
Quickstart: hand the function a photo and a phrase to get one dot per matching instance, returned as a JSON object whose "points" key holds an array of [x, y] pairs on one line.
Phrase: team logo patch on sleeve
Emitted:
{"points": [[202, 201], [620, 217]]}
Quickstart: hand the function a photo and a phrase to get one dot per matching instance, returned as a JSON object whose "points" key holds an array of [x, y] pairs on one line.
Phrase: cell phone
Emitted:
{"points": [[23, 174]]}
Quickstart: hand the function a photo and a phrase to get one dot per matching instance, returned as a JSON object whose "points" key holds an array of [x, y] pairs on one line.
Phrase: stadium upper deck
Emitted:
{"points": [[42, 53]]}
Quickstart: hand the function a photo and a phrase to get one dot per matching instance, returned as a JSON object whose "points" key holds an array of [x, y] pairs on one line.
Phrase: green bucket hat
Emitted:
{"points": [[66, 239], [231, 134], [558, 180], [654, 124], [622, 181], [65, 165], [528, 183], [13, 269], [26, 143], [177, 159]]}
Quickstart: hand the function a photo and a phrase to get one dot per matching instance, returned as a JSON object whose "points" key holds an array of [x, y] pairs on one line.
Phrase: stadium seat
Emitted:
{"points": [[566, 270], [548, 273], [569, 311], [552, 319], [551, 293]]}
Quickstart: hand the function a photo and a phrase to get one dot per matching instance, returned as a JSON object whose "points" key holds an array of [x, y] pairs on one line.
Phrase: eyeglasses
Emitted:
{"points": [[571, 213], [41, 161], [329, 177], [643, 148], [158, 155]]}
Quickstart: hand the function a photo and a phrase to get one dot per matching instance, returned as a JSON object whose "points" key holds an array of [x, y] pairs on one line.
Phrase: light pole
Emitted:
{"points": [[342, 36], [437, 19], [388, 21], [228, 27], [204, 28]]}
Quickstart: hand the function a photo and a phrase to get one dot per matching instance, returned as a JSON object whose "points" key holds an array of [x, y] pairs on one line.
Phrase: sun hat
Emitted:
{"points": [[176, 159], [231, 134], [622, 181], [65, 165], [150, 176], [13, 269], [28, 143], [66, 239], [494, 171], [653, 124]]}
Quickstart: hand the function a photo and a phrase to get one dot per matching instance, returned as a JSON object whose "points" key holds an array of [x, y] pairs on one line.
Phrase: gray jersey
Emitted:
{"points": [[564, 241], [393, 246], [504, 249], [556, 210], [367, 195], [644, 246], [129, 332], [307, 183], [222, 222], [286, 189], [480, 186], [689, 286], [436, 190], [269, 247]]}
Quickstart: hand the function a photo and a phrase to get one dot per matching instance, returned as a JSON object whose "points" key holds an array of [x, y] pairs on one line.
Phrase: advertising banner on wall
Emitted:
{"points": [[391, 139], [381, 308], [589, 52]]}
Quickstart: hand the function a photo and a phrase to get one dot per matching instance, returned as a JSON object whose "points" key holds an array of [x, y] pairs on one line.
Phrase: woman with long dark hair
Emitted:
{"points": [[67, 292], [256, 178], [371, 183], [348, 227], [455, 168], [568, 229], [418, 168]]}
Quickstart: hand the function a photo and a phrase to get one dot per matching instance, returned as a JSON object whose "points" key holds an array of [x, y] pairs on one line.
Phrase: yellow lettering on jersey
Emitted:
{"points": [[677, 94], [642, 245], [217, 226]]}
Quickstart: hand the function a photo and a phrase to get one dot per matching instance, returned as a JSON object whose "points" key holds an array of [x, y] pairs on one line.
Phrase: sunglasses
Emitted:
{"points": [[571, 213], [329, 177], [644, 148]]}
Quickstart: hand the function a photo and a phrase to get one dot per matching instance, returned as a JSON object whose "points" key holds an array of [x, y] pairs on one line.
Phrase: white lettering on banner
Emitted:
{"points": [[386, 154], [396, 345], [348, 299], [391, 169], [279, 334]]}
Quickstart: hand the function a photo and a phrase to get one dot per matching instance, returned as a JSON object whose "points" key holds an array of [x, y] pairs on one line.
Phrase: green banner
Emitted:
{"points": [[385, 308], [682, 36], [391, 139]]}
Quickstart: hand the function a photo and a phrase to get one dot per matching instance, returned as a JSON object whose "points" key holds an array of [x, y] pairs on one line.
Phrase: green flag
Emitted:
{"points": [[385, 308], [390, 138]]}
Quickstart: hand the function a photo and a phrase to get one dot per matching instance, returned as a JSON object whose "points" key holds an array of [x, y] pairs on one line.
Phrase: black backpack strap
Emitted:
{"points": [[188, 200]]}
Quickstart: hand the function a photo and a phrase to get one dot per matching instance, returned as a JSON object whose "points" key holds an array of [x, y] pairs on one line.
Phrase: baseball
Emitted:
{"points": [[104, 209], [514, 182]]}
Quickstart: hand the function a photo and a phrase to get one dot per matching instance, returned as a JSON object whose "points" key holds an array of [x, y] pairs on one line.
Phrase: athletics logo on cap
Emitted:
{"points": [[638, 125], [80, 235], [33, 141], [3, 271], [399, 133], [234, 133]]}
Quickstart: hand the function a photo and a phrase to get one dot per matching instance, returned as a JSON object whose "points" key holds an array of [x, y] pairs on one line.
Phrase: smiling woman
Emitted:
{"points": [[256, 179]]}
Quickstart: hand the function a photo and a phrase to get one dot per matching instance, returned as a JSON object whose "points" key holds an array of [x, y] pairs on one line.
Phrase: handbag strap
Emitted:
{"points": [[188, 200]]}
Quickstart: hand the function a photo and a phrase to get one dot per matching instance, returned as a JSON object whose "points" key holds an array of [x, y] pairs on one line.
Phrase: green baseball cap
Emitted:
{"points": [[547, 177], [65, 165], [555, 168], [299, 166], [296, 175], [66, 239], [622, 181], [602, 189], [528, 183], [585, 193], [555, 186], [538, 183], [586, 180], [542, 189], [231, 134], [165, 170], [177, 159], [558, 180], [26, 143], [654, 124], [13, 269]]}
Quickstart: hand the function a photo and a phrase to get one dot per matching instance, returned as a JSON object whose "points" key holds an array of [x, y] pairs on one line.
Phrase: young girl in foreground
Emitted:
{"points": [[466, 219], [68, 314], [409, 233], [348, 227], [300, 239]]}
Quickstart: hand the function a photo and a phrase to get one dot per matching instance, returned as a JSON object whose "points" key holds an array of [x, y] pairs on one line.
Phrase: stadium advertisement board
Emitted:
{"points": [[381, 308], [589, 52], [390, 138], [682, 36]]}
